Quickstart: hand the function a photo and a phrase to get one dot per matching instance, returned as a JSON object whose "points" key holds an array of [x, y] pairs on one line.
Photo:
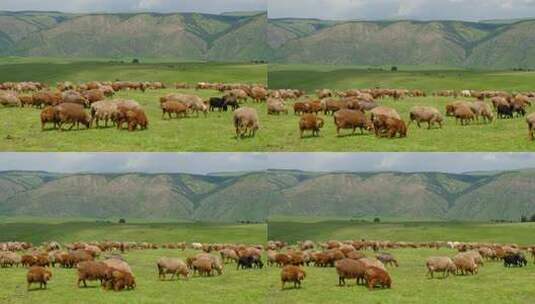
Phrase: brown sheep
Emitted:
{"points": [[464, 114], [292, 274], [282, 259], [389, 127], [49, 115], [530, 120], [173, 266], [300, 108], [440, 264], [203, 266], [46, 98], [103, 110], [310, 122], [174, 107], [246, 121], [9, 99], [93, 96], [119, 280], [350, 269], [384, 111], [134, 118], [465, 264], [429, 115], [481, 108], [39, 275], [72, 113], [276, 106], [92, 271], [377, 277], [351, 119], [74, 97]]}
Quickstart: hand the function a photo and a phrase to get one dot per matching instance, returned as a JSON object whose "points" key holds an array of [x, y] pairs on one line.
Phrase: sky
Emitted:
{"points": [[161, 6], [469, 10], [204, 163]]}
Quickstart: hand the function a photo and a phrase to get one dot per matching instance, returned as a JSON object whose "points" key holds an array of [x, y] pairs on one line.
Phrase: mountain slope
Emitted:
{"points": [[260, 195], [453, 43], [184, 36]]}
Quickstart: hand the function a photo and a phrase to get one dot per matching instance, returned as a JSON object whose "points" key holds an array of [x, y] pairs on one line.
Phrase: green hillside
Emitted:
{"points": [[257, 196], [495, 45], [185, 36]]}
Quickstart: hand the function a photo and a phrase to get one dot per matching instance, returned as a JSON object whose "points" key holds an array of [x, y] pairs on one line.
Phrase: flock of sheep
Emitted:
{"points": [[103, 261], [351, 109]]}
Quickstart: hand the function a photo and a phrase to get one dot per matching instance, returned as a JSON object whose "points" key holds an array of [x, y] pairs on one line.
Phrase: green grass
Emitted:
{"points": [[304, 229], [493, 284], [232, 287], [20, 129]]}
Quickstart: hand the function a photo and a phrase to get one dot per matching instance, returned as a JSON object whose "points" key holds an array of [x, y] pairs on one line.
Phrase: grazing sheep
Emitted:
{"points": [[429, 115], [276, 106], [310, 122], [9, 99], [103, 110], [351, 119], [49, 115], [37, 274], [530, 120], [389, 127], [384, 111], [72, 113], [464, 114], [465, 264], [134, 118], [440, 264], [292, 274], [119, 280], [9, 259], [92, 271], [350, 269], [377, 277], [118, 264], [74, 97], [229, 255], [246, 121], [514, 260], [387, 259], [482, 109], [174, 107], [173, 266]]}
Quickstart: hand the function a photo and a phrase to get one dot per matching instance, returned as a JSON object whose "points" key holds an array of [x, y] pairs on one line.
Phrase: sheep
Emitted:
{"points": [[246, 120], [465, 264], [387, 259], [350, 269], [9, 259], [276, 106], [351, 119], [72, 113], [119, 280], [118, 264], [530, 120], [103, 110], [389, 126], [9, 99], [429, 115], [174, 107], [464, 114], [377, 277], [310, 122], [173, 266], [292, 274], [134, 118], [440, 264], [92, 271], [49, 115], [37, 274]]}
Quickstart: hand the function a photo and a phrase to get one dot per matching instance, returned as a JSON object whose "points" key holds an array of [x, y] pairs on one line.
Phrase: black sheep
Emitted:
{"points": [[514, 260]]}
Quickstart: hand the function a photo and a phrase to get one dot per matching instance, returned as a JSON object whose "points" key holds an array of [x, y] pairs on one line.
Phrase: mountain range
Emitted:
{"points": [[487, 44], [229, 37], [257, 196]]}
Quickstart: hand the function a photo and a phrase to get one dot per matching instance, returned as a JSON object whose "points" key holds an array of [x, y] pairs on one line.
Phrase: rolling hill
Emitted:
{"points": [[489, 44], [186, 36], [257, 196]]}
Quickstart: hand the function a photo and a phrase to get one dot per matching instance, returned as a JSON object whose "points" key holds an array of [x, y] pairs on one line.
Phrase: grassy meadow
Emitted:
{"points": [[243, 286], [493, 283], [20, 128]]}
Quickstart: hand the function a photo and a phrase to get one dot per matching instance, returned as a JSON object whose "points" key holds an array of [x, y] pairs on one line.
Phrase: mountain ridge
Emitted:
{"points": [[263, 194]]}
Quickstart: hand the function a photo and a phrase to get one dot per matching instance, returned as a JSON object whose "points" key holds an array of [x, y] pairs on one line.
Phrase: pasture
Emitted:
{"points": [[20, 128], [234, 286], [493, 284]]}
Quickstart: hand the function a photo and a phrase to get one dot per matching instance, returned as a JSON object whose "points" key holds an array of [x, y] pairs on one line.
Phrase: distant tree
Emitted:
{"points": [[376, 220], [394, 68], [523, 219], [532, 219], [135, 61], [122, 221]]}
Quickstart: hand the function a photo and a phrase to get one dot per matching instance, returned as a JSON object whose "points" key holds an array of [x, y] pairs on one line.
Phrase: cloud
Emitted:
{"points": [[163, 6], [204, 163], [403, 9]]}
